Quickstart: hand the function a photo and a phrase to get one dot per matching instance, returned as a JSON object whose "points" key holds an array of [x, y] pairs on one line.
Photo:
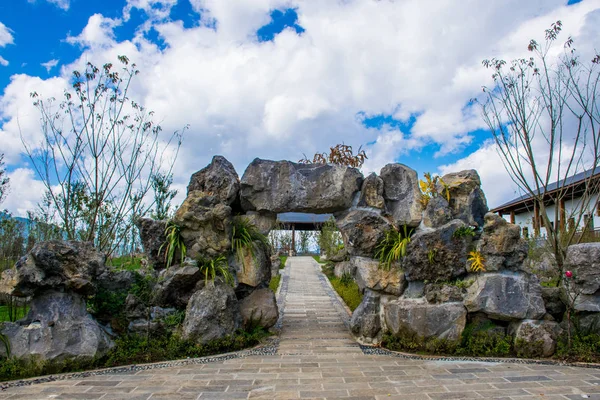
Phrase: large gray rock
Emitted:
{"points": [[58, 327], [369, 275], [176, 285], [205, 225], [371, 193], [57, 265], [153, 320], [467, 200], [535, 338], [506, 296], [152, 234], [344, 268], [443, 293], [264, 222], [437, 212], [553, 303], [448, 254], [402, 195], [366, 321], [284, 186], [442, 321], [584, 261], [252, 268], [260, 308], [501, 244], [361, 230], [212, 313], [217, 179]]}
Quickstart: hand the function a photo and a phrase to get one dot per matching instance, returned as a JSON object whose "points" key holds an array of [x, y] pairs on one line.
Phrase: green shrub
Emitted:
{"points": [[348, 291], [464, 231], [214, 267], [245, 233], [173, 244], [125, 263], [283, 260], [274, 283], [584, 347], [393, 246]]}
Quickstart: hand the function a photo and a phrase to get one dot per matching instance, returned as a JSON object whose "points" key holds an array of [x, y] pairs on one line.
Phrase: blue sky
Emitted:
{"points": [[282, 78]]}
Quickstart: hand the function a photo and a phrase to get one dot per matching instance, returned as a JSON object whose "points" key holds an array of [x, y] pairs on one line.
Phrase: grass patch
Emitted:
{"points": [[134, 349], [348, 291], [125, 263], [283, 259], [20, 312], [274, 283], [318, 259]]}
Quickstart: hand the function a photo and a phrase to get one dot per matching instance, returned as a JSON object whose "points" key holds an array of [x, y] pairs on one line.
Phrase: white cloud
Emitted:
{"points": [[98, 33], [50, 64], [62, 4], [25, 192], [3, 61], [6, 36]]}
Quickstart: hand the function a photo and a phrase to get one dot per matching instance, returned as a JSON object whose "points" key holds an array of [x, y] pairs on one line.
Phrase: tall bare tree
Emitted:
{"points": [[544, 114], [98, 154]]}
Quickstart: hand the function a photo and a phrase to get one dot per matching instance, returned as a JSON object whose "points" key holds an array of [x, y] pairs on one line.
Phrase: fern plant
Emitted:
{"points": [[393, 246], [173, 243], [244, 234], [477, 261], [211, 268]]}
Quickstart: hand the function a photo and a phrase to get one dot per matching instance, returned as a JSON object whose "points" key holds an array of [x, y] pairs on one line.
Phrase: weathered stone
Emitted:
{"points": [[366, 322], [264, 222], [467, 201], [176, 285], [152, 234], [535, 338], [57, 265], [260, 308], [212, 313], [134, 308], [588, 302], [371, 193], [506, 296], [284, 186], [152, 321], [589, 323], [344, 268], [414, 290], [368, 274], [402, 195], [501, 244], [442, 321], [584, 261], [437, 212], [58, 327], [553, 303], [205, 225], [112, 280], [217, 179], [339, 256], [361, 230], [443, 293], [436, 254], [254, 267]]}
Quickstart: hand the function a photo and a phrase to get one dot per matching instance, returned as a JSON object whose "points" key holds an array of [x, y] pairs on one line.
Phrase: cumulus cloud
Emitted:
{"points": [[50, 64], [25, 191], [3, 61], [300, 94], [62, 4], [6, 36]]}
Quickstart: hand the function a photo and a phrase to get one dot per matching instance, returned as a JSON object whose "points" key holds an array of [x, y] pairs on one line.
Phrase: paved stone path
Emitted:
{"points": [[317, 358]]}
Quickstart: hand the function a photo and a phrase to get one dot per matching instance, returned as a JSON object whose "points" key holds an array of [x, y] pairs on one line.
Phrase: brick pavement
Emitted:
{"points": [[318, 359]]}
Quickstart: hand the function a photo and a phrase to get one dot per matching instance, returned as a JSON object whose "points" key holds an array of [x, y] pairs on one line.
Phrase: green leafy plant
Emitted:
{"points": [[173, 243], [464, 231], [431, 255], [428, 188], [346, 279], [393, 246], [283, 260], [214, 267], [477, 261], [245, 233], [6, 343]]}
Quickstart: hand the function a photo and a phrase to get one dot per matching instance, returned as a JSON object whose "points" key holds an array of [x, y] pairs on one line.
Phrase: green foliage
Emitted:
{"points": [[173, 243], [346, 279], [274, 283], [214, 267], [477, 261], [172, 321], [107, 303], [464, 231], [584, 347], [283, 260], [13, 309], [163, 195], [428, 188], [125, 263], [393, 246], [431, 255], [348, 291], [245, 233], [330, 239]]}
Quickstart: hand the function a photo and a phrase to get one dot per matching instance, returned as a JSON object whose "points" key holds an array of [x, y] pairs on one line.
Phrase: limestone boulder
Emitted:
{"points": [[584, 261], [112, 280], [417, 317], [218, 179], [264, 222], [205, 225], [284, 186], [535, 338], [443, 293], [152, 234], [553, 303], [366, 321], [54, 265], [436, 255], [506, 296], [252, 267], [467, 200], [362, 230], [371, 193], [589, 323], [437, 212], [58, 327], [588, 302], [212, 313], [501, 244], [369, 275], [344, 268], [259, 308], [402, 194], [176, 285]]}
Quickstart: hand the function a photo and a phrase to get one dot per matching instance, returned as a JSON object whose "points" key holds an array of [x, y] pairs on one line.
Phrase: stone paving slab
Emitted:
{"points": [[318, 359]]}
